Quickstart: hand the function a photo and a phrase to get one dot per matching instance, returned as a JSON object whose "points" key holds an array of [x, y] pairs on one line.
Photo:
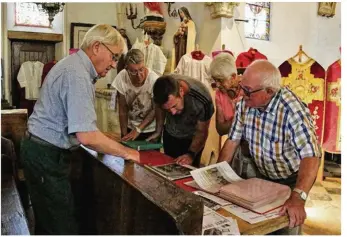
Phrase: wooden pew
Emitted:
{"points": [[114, 196], [13, 220]]}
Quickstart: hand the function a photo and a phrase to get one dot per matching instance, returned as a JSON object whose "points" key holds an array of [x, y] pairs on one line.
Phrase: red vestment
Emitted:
{"points": [[332, 119]]}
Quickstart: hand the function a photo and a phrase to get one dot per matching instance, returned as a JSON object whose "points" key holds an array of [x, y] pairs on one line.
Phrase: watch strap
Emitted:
{"points": [[302, 194]]}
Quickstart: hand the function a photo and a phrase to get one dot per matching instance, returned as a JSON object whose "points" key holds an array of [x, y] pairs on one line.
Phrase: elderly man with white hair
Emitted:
{"points": [[281, 136], [224, 74], [63, 118]]}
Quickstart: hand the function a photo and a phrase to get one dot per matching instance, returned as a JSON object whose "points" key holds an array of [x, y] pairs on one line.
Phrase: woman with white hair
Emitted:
{"points": [[224, 74], [63, 118]]}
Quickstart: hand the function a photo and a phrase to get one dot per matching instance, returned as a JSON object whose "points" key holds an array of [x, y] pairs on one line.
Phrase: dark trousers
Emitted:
{"points": [[46, 171], [176, 147]]}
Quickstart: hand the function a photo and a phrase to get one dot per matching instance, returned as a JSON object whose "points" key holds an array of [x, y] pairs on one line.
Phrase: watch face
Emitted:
{"points": [[303, 195]]}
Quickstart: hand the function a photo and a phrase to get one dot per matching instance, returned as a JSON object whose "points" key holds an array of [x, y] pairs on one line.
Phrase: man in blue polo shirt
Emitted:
{"points": [[63, 118]]}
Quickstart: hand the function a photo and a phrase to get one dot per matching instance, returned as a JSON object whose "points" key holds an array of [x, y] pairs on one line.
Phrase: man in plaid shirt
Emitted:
{"points": [[281, 136]]}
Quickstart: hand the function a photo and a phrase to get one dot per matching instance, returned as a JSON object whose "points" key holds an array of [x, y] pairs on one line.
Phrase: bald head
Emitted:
{"points": [[262, 73]]}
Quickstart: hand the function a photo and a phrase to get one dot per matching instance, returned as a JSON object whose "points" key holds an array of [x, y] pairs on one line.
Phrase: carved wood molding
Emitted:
{"points": [[23, 35], [222, 9]]}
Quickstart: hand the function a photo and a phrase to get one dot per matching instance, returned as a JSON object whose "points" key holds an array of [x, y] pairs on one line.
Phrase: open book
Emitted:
{"points": [[255, 194], [172, 171]]}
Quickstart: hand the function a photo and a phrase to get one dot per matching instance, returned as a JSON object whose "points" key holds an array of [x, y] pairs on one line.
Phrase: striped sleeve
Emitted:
{"points": [[235, 132], [207, 107], [303, 135]]}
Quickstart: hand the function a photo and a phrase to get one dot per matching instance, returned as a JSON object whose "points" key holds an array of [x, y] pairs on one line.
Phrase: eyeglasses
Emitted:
{"points": [[115, 56], [134, 73], [249, 93]]}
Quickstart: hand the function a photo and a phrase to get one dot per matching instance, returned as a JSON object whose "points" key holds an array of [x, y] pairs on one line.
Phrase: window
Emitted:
{"points": [[27, 14], [258, 16]]}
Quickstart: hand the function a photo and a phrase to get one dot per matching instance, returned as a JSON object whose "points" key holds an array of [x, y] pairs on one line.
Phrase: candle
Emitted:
{"points": [[135, 10]]}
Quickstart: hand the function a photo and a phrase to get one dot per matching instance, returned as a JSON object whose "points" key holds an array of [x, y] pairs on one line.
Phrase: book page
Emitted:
{"points": [[213, 198], [172, 171], [249, 216], [212, 177]]}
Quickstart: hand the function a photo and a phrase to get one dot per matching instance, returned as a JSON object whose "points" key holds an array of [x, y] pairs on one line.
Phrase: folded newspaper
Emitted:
{"points": [[254, 194], [216, 224], [172, 171]]}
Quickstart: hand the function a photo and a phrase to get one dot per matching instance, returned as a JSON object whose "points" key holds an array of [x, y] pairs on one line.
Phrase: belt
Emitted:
{"points": [[38, 140]]}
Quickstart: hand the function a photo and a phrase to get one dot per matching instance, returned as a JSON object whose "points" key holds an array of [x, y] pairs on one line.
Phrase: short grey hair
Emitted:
{"points": [[103, 33], [134, 56], [270, 74], [223, 66]]}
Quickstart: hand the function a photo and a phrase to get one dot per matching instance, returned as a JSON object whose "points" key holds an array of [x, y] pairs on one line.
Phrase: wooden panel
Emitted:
{"points": [[14, 125], [22, 35], [13, 221], [117, 197]]}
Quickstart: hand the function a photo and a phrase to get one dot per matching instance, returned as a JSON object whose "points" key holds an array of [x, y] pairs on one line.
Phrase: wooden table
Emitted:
{"points": [[261, 228]]}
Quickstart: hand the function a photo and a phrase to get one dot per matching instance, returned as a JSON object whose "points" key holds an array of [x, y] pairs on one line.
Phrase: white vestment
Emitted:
{"points": [[198, 69], [154, 57], [29, 76]]}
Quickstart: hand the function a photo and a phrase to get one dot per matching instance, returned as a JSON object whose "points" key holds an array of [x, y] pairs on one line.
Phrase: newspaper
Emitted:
{"points": [[172, 171], [213, 177], [249, 216], [216, 224]]}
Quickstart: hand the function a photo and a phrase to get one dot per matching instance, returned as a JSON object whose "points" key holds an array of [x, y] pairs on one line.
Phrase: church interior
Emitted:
{"points": [[301, 39]]}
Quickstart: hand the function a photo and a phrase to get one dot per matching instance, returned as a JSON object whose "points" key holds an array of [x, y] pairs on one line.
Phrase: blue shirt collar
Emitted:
{"points": [[88, 65]]}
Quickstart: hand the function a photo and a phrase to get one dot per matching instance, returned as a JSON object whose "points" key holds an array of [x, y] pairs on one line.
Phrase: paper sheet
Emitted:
{"points": [[249, 216], [216, 224], [212, 177]]}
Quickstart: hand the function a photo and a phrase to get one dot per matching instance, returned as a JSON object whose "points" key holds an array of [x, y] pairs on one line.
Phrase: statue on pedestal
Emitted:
{"points": [[184, 38]]}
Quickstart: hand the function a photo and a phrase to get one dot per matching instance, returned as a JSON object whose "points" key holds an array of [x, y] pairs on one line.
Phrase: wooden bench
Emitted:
{"points": [[13, 220]]}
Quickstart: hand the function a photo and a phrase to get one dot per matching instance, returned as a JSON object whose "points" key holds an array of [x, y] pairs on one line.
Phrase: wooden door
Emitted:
{"points": [[21, 52]]}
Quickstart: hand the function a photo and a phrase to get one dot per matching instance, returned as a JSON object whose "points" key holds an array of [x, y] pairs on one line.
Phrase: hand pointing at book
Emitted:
{"points": [[185, 159]]}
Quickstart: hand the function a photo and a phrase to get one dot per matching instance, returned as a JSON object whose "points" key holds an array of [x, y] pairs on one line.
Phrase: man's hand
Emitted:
{"points": [[133, 155], [184, 160], [154, 137], [295, 207], [131, 136]]}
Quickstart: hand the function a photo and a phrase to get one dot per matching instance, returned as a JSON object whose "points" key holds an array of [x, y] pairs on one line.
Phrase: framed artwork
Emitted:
{"points": [[326, 9], [77, 33]]}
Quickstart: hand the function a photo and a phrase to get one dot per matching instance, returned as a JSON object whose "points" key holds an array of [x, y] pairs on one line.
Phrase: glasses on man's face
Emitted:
{"points": [[247, 92], [136, 72], [115, 56]]}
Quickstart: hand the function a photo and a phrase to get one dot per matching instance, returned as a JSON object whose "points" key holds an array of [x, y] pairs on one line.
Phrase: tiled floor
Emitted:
{"points": [[323, 208]]}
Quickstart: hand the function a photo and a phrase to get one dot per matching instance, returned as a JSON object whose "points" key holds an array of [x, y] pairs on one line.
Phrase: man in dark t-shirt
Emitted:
{"points": [[186, 106]]}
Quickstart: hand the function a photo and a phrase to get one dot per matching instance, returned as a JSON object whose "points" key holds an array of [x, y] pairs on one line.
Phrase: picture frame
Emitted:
{"points": [[77, 33], [326, 9]]}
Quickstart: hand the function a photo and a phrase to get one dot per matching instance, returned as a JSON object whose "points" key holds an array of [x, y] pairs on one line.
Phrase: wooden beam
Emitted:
{"points": [[23, 35]]}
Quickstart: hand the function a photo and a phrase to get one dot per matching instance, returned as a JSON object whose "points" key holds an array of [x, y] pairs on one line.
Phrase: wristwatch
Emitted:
{"points": [[138, 129], [302, 194], [192, 154]]}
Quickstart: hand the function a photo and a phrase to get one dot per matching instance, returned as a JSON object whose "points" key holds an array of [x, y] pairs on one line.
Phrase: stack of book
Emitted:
{"points": [[256, 194]]}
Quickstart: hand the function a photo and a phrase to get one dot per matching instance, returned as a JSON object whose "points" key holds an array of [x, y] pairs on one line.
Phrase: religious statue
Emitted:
{"points": [[184, 38]]}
